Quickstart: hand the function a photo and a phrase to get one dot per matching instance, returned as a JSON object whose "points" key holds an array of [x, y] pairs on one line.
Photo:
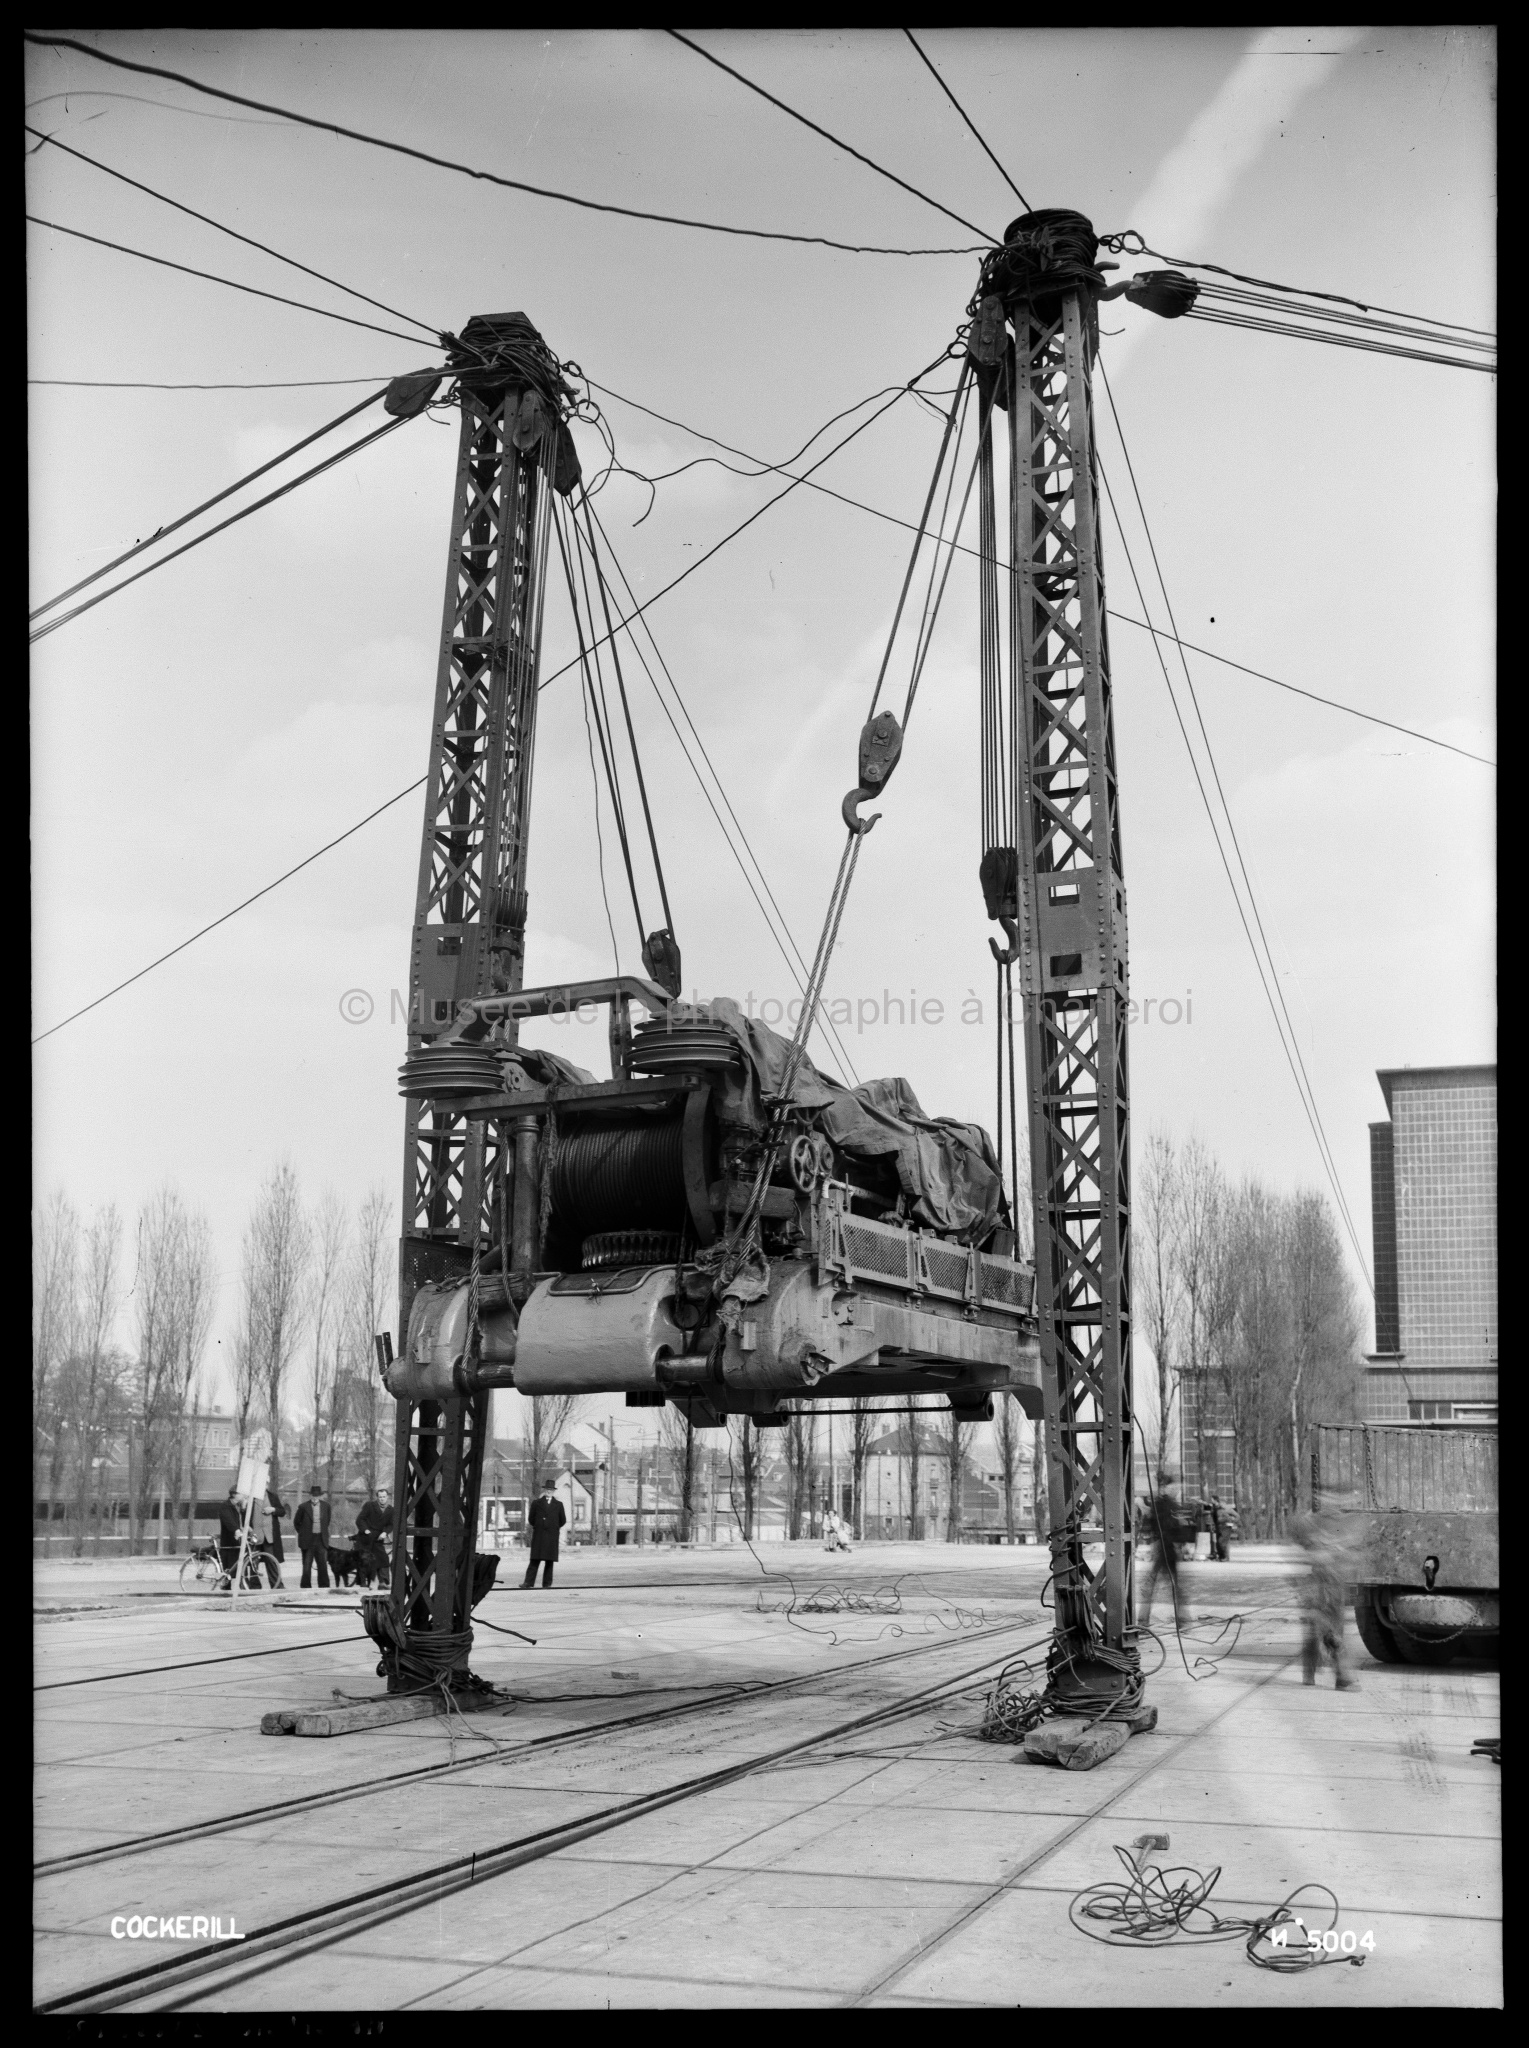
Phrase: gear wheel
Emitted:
{"points": [[629, 1248]]}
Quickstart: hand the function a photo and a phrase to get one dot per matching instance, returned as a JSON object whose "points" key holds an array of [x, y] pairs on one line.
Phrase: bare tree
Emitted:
{"points": [[801, 1445], [1155, 1272], [1324, 1325], [549, 1417], [277, 1257], [368, 1298], [954, 1436], [677, 1433], [1199, 1200], [95, 1370], [55, 1322], [915, 1462], [862, 1428], [326, 1316], [1040, 1480], [173, 1295], [744, 1473], [1009, 1442]]}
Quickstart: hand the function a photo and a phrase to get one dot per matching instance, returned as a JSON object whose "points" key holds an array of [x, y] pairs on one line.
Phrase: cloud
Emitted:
{"points": [[1196, 178]]}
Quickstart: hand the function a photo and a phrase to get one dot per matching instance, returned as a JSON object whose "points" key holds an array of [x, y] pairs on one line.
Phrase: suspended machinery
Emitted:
{"points": [[721, 1225]]}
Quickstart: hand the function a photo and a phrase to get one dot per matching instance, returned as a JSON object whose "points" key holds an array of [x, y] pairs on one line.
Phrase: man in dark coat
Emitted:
{"points": [[230, 1528], [311, 1522], [546, 1519], [373, 1525]]}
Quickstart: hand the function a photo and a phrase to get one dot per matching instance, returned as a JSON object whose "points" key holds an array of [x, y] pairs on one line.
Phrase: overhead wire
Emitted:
{"points": [[837, 141], [481, 176], [297, 868], [213, 277], [330, 462], [1256, 324], [1123, 618], [587, 540], [143, 384], [1273, 995], [637, 611], [1119, 243], [981, 143], [586, 699], [207, 504], [1323, 1142], [223, 229], [777, 926]]}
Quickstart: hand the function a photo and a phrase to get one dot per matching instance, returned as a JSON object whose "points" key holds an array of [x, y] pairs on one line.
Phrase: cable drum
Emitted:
{"points": [[448, 1070], [660, 1048], [1044, 254], [619, 1177]]}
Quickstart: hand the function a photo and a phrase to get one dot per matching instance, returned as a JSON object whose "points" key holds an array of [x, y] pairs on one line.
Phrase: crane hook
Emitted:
{"points": [[850, 810], [1006, 957]]}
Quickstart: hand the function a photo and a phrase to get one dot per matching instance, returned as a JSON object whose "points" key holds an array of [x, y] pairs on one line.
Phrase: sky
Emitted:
{"points": [[1323, 515]]}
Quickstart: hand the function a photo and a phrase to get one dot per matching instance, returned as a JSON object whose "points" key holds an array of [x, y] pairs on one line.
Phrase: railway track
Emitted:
{"points": [[708, 1698], [178, 1980]]}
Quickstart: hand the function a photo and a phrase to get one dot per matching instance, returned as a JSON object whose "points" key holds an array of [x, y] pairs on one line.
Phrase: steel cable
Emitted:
{"points": [[483, 177]]}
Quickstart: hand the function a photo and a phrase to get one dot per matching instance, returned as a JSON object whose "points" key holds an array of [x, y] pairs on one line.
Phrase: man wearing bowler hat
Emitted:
{"points": [[546, 1519], [311, 1524]]}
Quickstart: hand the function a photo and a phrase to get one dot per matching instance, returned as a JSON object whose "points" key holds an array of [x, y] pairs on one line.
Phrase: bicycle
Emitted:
{"points": [[208, 1562]]}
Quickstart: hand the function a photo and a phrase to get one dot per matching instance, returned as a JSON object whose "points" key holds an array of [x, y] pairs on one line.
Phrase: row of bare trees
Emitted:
{"points": [[89, 1395], [792, 1456], [315, 1285], [1243, 1297]]}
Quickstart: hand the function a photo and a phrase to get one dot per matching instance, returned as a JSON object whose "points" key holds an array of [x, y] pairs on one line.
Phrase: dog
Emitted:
{"points": [[365, 1562]]}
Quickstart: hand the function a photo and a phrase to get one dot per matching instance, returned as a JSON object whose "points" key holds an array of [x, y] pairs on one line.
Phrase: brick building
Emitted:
{"points": [[1433, 1200]]}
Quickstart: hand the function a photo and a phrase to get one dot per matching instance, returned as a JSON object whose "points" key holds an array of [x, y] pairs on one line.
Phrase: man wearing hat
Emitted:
{"points": [[230, 1528], [311, 1524], [546, 1518]]}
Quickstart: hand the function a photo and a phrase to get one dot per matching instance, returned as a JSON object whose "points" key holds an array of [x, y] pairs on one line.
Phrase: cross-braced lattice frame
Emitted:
{"points": [[1074, 962]]}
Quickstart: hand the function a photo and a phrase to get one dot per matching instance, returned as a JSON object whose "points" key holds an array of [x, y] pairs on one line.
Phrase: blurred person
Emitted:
{"points": [[833, 1531], [1328, 1537], [311, 1525], [1218, 1521], [1166, 1526], [545, 1520]]}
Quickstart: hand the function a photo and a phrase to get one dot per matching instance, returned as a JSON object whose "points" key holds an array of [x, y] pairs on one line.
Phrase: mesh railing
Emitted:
{"points": [[1426, 1468], [856, 1248]]}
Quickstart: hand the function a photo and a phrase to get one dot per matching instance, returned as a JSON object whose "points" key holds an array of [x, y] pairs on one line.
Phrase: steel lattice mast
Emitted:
{"points": [[1073, 954], [470, 911]]}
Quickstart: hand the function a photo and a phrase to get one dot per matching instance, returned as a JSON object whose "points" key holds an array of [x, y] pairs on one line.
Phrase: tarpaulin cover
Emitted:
{"points": [[947, 1169], [545, 1067]]}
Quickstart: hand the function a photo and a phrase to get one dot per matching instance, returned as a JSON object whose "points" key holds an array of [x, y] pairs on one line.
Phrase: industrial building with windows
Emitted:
{"points": [[1433, 1195]]}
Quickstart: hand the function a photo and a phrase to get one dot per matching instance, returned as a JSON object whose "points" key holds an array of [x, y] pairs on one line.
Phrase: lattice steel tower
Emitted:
{"points": [[470, 910], [1071, 908]]}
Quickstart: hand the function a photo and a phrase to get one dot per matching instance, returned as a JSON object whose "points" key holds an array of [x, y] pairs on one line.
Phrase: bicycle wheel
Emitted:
{"points": [[191, 1572]]}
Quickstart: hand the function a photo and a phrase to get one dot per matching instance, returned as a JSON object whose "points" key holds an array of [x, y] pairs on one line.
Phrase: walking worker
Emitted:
{"points": [[1325, 1536], [546, 1519], [1219, 1520], [311, 1523], [1166, 1527]]}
